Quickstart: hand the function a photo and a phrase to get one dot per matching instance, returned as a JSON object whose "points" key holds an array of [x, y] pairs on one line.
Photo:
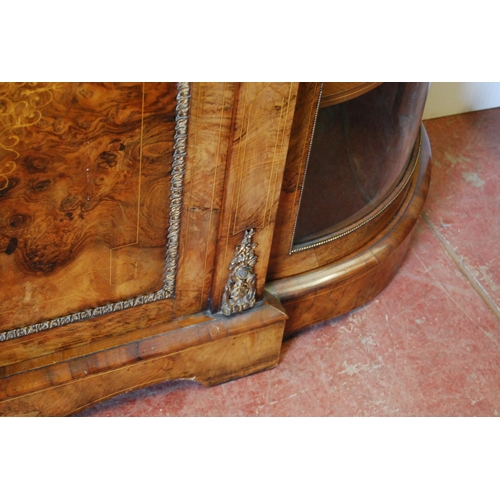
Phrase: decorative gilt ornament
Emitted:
{"points": [[239, 294]]}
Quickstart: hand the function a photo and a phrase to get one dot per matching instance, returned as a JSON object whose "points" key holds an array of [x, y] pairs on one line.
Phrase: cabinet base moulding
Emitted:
{"points": [[214, 350]]}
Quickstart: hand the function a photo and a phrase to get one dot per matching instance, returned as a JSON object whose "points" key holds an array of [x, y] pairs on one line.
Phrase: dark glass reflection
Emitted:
{"points": [[359, 152]]}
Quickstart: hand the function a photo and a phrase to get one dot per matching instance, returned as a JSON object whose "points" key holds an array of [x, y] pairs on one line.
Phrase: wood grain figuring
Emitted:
{"points": [[293, 178], [339, 287], [261, 133], [210, 123], [84, 183], [87, 333], [210, 352]]}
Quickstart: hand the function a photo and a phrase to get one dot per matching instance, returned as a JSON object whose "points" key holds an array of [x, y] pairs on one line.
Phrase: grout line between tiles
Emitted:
{"points": [[463, 267]]}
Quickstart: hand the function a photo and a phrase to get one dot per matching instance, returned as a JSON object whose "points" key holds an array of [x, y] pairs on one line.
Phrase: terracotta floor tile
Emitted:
{"points": [[428, 345], [464, 200]]}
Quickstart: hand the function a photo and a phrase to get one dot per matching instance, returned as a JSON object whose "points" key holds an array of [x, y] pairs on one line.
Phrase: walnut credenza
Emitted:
{"points": [[152, 232]]}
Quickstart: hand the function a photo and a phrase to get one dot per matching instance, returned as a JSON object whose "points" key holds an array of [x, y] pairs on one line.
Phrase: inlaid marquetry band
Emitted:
{"points": [[172, 249]]}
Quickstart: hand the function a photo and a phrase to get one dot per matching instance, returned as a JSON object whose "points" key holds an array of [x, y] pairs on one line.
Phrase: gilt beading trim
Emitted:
{"points": [[177, 187]]}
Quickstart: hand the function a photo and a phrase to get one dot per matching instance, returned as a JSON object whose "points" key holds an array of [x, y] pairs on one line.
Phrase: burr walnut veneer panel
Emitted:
{"points": [[84, 181]]}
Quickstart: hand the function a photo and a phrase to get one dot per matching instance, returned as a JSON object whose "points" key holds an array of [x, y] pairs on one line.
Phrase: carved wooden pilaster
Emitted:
{"points": [[254, 171]]}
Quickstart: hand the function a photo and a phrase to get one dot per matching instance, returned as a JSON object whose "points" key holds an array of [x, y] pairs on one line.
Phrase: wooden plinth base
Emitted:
{"points": [[338, 288], [213, 350]]}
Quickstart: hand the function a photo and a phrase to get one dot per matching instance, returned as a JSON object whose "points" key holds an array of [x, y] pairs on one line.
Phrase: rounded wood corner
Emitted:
{"points": [[339, 287]]}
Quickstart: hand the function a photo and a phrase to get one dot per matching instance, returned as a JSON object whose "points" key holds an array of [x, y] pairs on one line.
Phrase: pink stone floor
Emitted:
{"points": [[428, 345]]}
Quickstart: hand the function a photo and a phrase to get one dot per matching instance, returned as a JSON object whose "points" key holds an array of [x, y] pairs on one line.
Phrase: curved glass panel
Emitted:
{"points": [[359, 153]]}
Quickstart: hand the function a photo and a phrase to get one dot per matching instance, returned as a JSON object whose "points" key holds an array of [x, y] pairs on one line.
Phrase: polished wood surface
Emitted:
{"points": [[83, 216], [57, 371], [210, 350], [293, 179], [210, 133], [246, 149], [254, 176]]}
